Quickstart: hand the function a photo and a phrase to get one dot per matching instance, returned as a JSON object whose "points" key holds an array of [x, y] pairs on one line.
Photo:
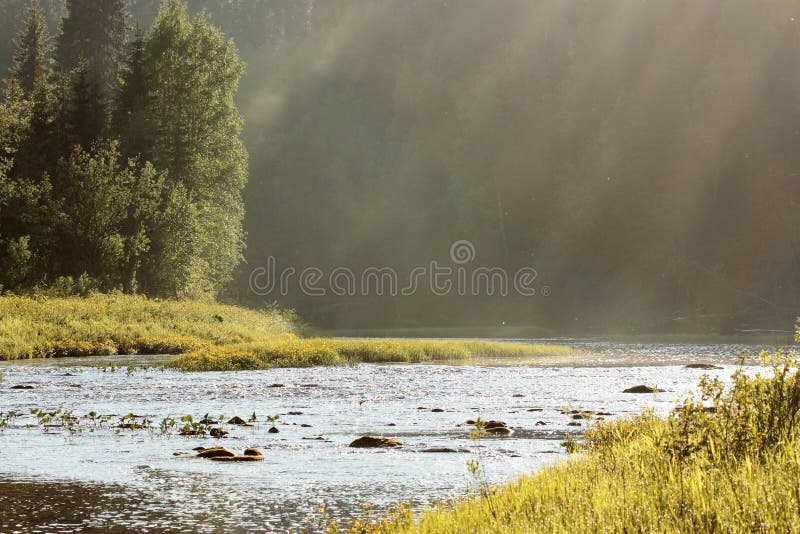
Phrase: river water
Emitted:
{"points": [[102, 478]]}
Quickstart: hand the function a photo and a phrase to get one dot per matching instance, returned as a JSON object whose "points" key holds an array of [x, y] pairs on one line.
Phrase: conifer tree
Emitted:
{"points": [[132, 100], [30, 65], [94, 31]]}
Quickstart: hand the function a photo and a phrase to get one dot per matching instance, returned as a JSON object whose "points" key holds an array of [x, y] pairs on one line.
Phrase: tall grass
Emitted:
{"points": [[727, 460], [36, 327], [292, 351]]}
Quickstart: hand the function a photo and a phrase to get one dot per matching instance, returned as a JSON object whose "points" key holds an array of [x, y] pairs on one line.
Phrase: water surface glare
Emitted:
{"points": [[100, 480]]}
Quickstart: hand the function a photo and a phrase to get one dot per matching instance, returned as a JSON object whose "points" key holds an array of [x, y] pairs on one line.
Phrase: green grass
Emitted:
{"points": [[40, 327], [293, 351], [205, 336], [726, 461]]}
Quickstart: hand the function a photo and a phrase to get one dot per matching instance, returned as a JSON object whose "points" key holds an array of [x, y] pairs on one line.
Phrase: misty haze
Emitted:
{"points": [[399, 265]]}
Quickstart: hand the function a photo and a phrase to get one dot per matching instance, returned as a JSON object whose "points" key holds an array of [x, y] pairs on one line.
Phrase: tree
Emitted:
{"points": [[94, 31], [132, 100], [110, 206], [27, 211], [193, 73], [30, 65], [84, 113]]}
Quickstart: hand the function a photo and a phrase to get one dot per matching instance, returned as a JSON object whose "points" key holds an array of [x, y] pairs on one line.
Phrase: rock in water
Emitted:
{"points": [[218, 433], [273, 430], [237, 458], [215, 452], [372, 442], [643, 389], [497, 428], [238, 421], [705, 366], [252, 451]]}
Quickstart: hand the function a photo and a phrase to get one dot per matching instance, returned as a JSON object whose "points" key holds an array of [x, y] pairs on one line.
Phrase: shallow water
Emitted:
{"points": [[131, 480]]}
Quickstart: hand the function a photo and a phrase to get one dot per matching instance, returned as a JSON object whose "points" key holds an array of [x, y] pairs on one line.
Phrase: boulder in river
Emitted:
{"points": [[294, 413], [705, 366], [23, 386], [252, 451], [218, 433], [215, 452], [237, 458], [541, 423], [437, 410], [183, 454], [497, 428], [373, 442], [643, 389], [273, 430], [443, 450]]}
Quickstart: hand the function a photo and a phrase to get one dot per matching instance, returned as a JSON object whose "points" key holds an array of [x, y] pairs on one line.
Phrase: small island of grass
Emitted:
{"points": [[207, 336]]}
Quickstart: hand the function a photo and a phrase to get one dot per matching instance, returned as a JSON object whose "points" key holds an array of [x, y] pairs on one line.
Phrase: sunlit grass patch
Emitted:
{"points": [[293, 351], [37, 327]]}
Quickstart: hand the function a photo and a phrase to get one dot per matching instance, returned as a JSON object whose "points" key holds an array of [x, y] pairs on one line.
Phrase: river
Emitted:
{"points": [[105, 478]]}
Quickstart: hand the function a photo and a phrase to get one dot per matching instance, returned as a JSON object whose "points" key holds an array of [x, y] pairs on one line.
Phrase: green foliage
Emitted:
{"points": [[110, 209], [158, 211], [192, 72]]}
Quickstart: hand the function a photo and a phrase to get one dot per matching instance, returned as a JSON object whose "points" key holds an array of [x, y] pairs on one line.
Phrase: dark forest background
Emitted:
{"points": [[642, 156]]}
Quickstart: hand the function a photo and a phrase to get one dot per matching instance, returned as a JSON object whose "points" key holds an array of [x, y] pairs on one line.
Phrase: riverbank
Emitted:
{"points": [[207, 336], [109, 324], [724, 461]]}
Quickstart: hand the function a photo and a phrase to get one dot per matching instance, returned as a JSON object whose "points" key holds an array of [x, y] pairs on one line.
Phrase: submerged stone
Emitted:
{"points": [[238, 421], [705, 366], [643, 389], [237, 458], [215, 452], [373, 442]]}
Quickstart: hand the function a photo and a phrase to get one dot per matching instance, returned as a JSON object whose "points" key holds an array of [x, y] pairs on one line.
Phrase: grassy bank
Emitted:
{"points": [[292, 351], [727, 461], [124, 324], [206, 336]]}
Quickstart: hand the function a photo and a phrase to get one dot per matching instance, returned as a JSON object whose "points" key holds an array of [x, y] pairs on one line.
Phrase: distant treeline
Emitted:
{"points": [[641, 156], [121, 162]]}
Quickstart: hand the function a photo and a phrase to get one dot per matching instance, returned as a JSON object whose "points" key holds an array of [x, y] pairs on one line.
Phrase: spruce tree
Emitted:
{"points": [[30, 66], [84, 115], [94, 31], [132, 100]]}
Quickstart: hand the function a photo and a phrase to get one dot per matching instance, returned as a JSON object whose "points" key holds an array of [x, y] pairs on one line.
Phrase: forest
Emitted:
{"points": [[641, 157]]}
